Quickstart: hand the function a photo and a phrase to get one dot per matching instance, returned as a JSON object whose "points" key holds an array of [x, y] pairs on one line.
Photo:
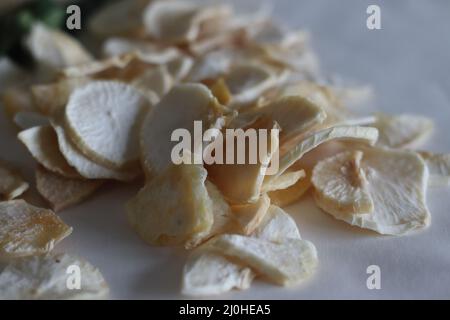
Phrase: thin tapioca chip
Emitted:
{"points": [[62, 192], [86, 167], [103, 119], [42, 143], [12, 184], [26, 230], [439, 168], [46, 277], [394, 180]]}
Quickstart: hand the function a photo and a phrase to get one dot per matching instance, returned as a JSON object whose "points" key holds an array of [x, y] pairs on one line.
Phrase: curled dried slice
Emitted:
{"points": [[27, 230], [363, 134], [285, 197], [403, 131], [286, 263], [62, 192], [183, 105], [242, 182], [50, 98], [103, 119], [42, 143], [12, 184], [54, 48], [48, 276], [249, 216], [180, 67], [178, 21], [247, 82], [180, 220], [341, 186], [397, 183], [294, 114], [284, 181], [277, 226], [211, 66], [87, 168], [208, 273], [29, 119], [439, 168], [97, 67]]}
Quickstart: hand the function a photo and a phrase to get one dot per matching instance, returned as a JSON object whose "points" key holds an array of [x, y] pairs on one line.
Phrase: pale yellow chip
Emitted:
{"points": [[26, 230], [50, 277], [208, 273], [397, 182], [341, 185], [287, 263], [242, 183], [103, 120], [42, 143], [173, 208], [183, 105], [285, 197], [179, 21], [61, 192]]}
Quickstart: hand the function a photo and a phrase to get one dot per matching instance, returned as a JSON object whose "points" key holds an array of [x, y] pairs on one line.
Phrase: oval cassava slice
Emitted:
{"points": [[12, 184], [341, 185], [27, 230], [87, 168], [62, 192], [439, 168], [395, 180], [103, 119], [183, 105], [179, 221], [42, 143], [49, 277]]}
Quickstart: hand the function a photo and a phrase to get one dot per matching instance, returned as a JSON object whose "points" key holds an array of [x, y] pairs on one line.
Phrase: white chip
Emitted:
{"points": [[103, 119], [49, 277]]}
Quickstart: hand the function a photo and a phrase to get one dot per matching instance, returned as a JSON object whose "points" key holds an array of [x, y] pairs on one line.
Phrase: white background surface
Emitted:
{"points": [[407, 62]]}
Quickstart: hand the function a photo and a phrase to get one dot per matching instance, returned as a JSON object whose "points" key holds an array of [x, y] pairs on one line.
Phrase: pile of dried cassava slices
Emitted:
{"points": [[165, 65]]}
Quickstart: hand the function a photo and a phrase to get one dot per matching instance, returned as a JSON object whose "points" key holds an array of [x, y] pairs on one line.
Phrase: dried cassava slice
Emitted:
{"points": [[251, 172], [62, 192], [363, 134], [249, 216], [284, 181], [285, 197], [52, 276], [247, 82], [42, 143], [27, 230], [180, 67], [208, 273], [12, 184], [397, 183], [341, 185], [439, 168], [103, 119], [87, 168], [157, 80], [277, 226], [178, 21], [55, 49], [403, 131], [286, 263], [180, 220], [183, 105]]}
